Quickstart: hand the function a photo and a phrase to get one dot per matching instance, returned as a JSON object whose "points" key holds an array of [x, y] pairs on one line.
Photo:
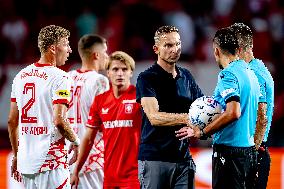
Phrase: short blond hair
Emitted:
{"points": [[51, 35], [164, 30], [123, 57]]}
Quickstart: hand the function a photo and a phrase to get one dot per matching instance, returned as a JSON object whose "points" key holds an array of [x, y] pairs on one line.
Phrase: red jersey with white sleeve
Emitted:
{"points": [[35, 89], [87, 85], [120, 121]]}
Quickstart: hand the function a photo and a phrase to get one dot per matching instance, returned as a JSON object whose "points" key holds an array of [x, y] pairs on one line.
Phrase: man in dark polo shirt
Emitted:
{"points": [[165, 92]]}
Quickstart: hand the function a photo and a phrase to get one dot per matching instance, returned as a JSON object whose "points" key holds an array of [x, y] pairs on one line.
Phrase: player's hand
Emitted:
{"points": [[74, 180], [75, 149], [184, 133], [14, 172], [197, 132]]}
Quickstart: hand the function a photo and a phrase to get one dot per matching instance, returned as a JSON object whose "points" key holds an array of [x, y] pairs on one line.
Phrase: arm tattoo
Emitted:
{"points": [[66, 130], [168, 119], [260, 124]]}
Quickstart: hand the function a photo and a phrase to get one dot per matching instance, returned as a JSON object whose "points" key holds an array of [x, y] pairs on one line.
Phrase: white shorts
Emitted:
{"points": [[91, 180], [53, 179]]}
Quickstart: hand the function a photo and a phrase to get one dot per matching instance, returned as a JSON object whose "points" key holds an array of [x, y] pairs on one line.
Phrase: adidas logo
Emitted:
{"points": [[105, 110]]}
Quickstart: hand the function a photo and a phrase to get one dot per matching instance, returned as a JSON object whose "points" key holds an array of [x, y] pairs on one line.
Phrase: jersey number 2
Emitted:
{"points": [[25, 109]]}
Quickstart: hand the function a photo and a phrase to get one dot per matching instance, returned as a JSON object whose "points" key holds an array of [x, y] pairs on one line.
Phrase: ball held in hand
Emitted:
{"points": [[203, 111]]}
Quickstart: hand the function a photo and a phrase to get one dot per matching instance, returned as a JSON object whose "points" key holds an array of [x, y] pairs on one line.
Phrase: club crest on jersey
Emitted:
{"points": [[128, 108], [63, 93]]}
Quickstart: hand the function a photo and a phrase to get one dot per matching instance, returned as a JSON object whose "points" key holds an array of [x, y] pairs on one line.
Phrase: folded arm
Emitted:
{"points": [[151, 108]]}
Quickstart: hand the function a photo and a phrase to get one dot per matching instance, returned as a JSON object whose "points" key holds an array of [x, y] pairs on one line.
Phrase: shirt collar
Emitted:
{"points": [[41, 65], [165, 73]]}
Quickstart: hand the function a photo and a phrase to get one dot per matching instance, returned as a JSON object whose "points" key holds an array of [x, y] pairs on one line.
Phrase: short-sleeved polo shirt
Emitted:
{"points": [[174, 95]]}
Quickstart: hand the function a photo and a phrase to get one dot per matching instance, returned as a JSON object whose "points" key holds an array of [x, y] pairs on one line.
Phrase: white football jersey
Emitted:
{"points": [[87, 85], [35, 89]]}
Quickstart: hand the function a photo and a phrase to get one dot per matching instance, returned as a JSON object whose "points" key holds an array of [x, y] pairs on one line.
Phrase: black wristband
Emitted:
{"points": [[203, 136]]}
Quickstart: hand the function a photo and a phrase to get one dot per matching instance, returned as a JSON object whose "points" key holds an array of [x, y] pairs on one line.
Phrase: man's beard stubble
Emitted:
{"points": [[169, 62]]}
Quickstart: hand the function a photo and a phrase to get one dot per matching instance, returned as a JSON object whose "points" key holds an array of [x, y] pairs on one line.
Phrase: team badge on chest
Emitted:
{"points": [[128, 108]]}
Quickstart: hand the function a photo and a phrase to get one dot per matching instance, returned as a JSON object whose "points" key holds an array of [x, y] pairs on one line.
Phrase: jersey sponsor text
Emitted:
{"points": [[35, 73], [118, 123]]}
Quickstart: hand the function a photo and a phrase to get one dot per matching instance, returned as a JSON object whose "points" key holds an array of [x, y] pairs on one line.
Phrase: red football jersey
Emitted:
{"points": [[120, 120]]}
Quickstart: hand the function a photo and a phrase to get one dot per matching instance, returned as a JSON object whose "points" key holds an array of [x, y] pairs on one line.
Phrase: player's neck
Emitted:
{"points": [[87, 67], [119, 90], [228, 59], [90, 65], [47, 59], [246, 54], [249, 57], [170, 68]]}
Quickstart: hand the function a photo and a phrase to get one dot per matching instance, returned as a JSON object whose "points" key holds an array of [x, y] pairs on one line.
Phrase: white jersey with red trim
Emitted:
{"points": [[87, 85], [35, 89]]}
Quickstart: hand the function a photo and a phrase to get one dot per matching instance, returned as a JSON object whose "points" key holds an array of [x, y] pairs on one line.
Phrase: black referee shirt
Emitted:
{"points": [[174, 95]]}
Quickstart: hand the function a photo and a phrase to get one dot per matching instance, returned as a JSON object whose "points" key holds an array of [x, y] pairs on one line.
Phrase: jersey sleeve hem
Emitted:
{"points": [[92, 126], [61, 101], [13, 99], [262, 100]]}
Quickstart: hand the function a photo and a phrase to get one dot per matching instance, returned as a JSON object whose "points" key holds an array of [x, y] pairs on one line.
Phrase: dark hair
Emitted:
{"points": [[87, 42], [244, 35], [226, 40], [162, 30], [51, 35]]}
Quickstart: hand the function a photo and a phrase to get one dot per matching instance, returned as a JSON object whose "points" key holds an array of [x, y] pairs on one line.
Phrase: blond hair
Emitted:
{"points": [[123, 57], [164, 30], [51, 35]]}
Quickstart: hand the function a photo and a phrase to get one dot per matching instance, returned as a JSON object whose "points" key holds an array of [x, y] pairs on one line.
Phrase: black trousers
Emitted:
{"points": [[263, 166], [234, 167]]}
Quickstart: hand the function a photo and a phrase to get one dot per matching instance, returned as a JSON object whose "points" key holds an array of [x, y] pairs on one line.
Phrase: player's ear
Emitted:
{"points": [[131, 74], [156, 49], [52, 48], [216, 52], [95, 55]]}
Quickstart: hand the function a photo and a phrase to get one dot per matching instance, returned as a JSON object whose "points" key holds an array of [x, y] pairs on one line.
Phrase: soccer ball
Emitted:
{"points": [[203, 111]]}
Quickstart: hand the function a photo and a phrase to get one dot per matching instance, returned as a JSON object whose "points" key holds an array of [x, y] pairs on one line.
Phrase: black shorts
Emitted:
{"points": [[263, 166], [234, 167]]}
